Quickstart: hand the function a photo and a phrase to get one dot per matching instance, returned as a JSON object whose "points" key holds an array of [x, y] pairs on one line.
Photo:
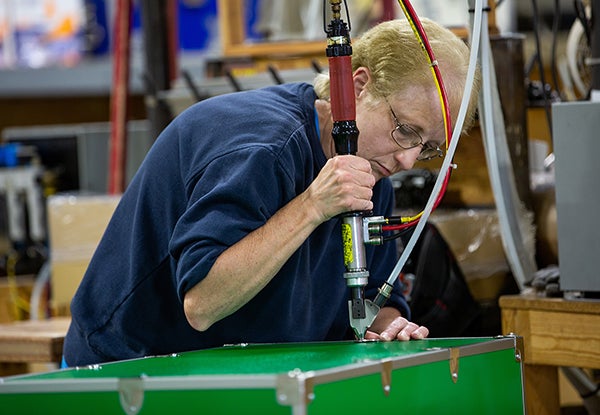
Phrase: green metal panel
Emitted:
{"points": [[485, 385], [313, 378]]}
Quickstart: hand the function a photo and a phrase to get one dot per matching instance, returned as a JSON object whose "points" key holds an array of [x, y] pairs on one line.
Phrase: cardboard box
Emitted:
{"points": [[474, 237], [76, 224]]}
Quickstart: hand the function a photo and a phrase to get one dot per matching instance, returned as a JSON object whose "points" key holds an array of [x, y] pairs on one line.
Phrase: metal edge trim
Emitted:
{"points": [[425, 357], [149, 383]]}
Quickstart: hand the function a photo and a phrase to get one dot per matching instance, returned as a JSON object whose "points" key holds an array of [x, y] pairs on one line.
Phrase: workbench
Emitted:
{"points": [[31, 341], [556, 332]]}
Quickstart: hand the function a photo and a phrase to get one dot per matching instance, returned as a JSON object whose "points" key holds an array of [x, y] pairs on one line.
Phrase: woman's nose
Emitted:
{"points": [[407, 158]]}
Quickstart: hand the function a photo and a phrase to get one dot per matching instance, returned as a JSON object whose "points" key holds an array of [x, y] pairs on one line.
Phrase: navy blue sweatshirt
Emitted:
{"points": [[219, 171]]}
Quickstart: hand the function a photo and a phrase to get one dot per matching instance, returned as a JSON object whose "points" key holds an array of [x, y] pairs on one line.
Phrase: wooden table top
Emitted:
{"points": [[33, 340], [534, 302]]}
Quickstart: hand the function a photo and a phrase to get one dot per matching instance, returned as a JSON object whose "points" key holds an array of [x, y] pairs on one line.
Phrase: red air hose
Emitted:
{"points": [[118, 104]]}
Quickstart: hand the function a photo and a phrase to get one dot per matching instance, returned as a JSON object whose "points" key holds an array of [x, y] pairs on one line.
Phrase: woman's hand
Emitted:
{"points": [[344, 184], [390, 325]]}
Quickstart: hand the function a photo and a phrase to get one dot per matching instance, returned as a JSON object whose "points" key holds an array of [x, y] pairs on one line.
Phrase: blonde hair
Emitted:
{"points": [[396, 61]]}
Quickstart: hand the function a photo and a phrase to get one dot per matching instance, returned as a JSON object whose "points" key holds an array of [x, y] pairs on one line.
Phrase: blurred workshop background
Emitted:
{"points": [[86, 86]]}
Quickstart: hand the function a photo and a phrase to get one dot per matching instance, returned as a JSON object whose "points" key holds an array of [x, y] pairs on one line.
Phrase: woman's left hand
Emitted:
{"points": [[390, 325]]}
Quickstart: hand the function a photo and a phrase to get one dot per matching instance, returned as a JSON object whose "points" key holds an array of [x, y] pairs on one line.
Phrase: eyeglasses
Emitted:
{"points": [[407, 137]]}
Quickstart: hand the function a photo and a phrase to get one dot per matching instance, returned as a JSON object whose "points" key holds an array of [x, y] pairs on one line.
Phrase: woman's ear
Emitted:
{"points": [[361, 77]]}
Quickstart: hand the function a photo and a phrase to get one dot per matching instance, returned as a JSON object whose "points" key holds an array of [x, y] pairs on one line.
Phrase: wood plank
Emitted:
{"points": [[564, 339], [541, 390], [552, 304], [516, 322], [231, 23], [33, 341], [276, 49], [556, 331]]}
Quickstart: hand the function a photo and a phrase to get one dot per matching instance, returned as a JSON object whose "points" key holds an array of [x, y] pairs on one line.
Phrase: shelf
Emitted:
{"points": [[89, 78]]}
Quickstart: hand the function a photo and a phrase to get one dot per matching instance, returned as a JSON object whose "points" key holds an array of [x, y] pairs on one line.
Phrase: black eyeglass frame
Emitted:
{"points": [[428, 152]]}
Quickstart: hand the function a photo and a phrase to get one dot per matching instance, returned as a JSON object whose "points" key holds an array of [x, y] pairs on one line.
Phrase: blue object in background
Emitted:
{"points": [[196, 20], [252, 18], [197, 24], [97, 27], [9, 155]]}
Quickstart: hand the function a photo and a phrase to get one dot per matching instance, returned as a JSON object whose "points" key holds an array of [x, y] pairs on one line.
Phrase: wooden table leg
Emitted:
{"points": [[541, 390]]}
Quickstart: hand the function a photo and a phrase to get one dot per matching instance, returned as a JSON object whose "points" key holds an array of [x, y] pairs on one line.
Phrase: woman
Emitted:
{"points": [[229, 232]]}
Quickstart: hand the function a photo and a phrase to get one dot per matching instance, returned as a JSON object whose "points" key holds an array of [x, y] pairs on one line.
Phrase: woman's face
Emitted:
{"points": [[417, 107]]}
